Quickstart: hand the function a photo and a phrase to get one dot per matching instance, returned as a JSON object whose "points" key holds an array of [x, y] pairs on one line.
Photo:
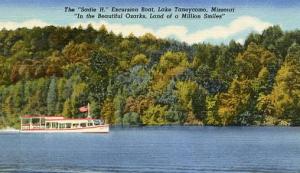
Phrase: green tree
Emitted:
{"points": [[52, 97], [119, 103], [108, 111], [155, 115], [131, 118], [212, 117], [235, 101], [192, 98], [139, 59], [67, 109], [95, 109], [286, 92], [253, 60]]}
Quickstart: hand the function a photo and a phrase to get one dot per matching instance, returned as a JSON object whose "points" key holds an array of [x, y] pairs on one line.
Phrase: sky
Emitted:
{"points": [[249, 16]]}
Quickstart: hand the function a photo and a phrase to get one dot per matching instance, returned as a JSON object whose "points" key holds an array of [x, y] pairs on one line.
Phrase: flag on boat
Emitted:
{"points": [[83, 109]]}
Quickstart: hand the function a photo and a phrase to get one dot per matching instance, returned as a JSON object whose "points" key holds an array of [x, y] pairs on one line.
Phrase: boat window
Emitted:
{"points": [[54, 125], [48, 125], [68, 125], [35, 121], [97, 122], [90, 124], [42, 121], [75, 125], [83, 125], [25, 121], [62, 126]]}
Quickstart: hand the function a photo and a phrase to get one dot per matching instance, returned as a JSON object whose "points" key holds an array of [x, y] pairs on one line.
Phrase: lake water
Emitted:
{"points": [[156, 149]]}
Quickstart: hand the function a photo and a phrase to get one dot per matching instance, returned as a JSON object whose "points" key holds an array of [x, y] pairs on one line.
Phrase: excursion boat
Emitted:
{"points": [[60, 124]]}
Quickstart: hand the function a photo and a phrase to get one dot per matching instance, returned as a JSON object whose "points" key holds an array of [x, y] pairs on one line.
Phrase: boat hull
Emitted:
{"points": [[94, 129]]}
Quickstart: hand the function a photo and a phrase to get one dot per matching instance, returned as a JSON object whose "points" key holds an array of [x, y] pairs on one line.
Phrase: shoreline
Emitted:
{"points": [[9, 129]]}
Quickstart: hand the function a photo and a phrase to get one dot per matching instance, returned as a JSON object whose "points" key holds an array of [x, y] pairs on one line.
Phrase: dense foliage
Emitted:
{"points": [[145, 80]]}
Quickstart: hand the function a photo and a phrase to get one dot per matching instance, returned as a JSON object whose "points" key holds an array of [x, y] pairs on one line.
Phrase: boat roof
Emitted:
{"points": [[43, 116], [70, 120], [54, 118]]}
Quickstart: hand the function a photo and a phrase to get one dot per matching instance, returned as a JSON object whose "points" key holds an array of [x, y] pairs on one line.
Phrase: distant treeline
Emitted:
{"points": [[150, 81]]}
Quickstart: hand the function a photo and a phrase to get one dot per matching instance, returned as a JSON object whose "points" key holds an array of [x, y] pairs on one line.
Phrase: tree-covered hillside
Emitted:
{"points": [[146, 80]]}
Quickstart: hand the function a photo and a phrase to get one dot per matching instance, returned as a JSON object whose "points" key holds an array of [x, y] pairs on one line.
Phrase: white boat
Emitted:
{"points": [[60, 124]]}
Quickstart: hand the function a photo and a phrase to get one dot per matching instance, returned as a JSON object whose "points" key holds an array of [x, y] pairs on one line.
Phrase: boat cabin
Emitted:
{"points": [[40, 122]]}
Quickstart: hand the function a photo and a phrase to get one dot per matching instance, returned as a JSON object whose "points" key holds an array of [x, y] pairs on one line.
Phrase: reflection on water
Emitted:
{"points": [[155, 149]]}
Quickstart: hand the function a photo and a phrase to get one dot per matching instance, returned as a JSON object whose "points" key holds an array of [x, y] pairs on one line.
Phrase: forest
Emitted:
{"points": [[129, 80]]}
